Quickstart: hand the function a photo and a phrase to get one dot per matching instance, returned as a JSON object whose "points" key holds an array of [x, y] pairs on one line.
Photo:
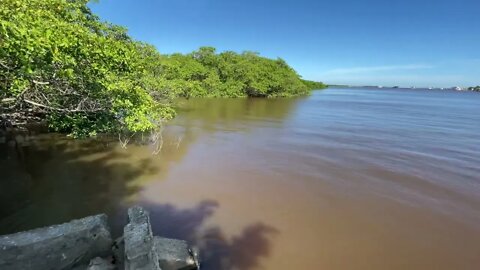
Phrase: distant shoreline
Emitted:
{"points": [[459, 89]]}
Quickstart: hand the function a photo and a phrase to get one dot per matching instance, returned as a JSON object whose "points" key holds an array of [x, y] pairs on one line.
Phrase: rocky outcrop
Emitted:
{"points": [[86, 244], [61, 246], [139, 250]]}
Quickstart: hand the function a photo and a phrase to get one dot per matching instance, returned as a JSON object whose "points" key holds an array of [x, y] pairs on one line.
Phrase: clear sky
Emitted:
{"points": [[361, 42]]}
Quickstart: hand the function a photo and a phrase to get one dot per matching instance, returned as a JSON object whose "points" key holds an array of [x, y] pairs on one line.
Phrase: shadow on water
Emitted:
{"points": [[217, 250], [51, 179]]}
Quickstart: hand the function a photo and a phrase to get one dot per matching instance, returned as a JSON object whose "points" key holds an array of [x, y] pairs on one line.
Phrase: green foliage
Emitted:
{"points": [[86, 76], [312, 85], [82, 124], [204, 73]]}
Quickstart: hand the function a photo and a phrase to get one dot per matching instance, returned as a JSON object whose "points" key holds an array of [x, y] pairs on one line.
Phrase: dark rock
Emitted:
{"points": [[175, 254], [61, 246], [118, 252]]}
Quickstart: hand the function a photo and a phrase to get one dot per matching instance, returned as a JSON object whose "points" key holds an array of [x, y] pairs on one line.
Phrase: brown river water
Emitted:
{"points": [[344, 179]]}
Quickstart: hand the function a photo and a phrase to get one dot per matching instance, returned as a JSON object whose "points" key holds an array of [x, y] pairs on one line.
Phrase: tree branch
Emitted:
{"points": [[40, 83], [8, 100], [59, 109], [5, 66]]}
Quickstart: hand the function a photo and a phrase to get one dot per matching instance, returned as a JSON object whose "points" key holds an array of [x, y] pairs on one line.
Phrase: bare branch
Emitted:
{"points": [[157, 138], [5, 65], [124, 143], [59, 109], [8, 100], [179, 140], [81, 103], [40, 83]]}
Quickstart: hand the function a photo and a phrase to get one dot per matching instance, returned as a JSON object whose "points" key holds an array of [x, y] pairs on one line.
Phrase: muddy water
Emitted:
{"points": [[343, 179]]}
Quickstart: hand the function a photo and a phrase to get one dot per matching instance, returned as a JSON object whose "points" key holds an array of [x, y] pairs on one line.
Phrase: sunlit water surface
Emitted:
{"points": [[343, 179]]}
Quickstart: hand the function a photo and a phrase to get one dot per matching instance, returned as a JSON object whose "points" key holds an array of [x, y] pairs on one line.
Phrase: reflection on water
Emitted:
{"points": [[344, 179], [51, 179]]}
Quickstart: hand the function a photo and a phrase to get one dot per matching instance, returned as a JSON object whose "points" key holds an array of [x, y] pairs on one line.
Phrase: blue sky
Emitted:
{"points": [[361, 42]]}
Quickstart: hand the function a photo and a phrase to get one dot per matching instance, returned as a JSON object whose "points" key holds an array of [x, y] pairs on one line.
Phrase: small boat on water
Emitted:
{"points": [[457, 88]]}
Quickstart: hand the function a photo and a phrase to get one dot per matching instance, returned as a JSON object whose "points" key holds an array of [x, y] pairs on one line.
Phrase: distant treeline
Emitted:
{"points": [[314, 85], [474, 88], [61, 64], [205, 73]]}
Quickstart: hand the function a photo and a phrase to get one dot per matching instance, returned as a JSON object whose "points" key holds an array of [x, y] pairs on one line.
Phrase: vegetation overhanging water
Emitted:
{"points": [[61, 64]]}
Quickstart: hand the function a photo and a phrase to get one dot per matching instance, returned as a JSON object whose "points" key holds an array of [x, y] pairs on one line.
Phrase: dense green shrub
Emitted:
{"points": [[204, 73], [312, 85], [85, 76]]}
